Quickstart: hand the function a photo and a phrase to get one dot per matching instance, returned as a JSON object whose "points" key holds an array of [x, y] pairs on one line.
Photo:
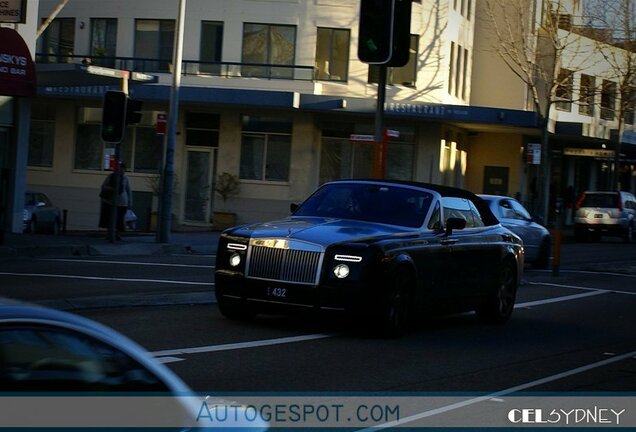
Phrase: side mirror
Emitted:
{"points": [[454, 224], [293, 207]]}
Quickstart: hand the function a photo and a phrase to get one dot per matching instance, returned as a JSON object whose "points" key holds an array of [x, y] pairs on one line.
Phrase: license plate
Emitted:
{"points": [[598, 216], [276, 292]]}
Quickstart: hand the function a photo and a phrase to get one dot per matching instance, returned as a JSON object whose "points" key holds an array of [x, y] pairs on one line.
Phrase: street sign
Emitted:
{"points": [[160, 127]]}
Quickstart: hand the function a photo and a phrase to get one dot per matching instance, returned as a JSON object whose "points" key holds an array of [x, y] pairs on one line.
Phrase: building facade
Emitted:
{"points": [[272, 92]]}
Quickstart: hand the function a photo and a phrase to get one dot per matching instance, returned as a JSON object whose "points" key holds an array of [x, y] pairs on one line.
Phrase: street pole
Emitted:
{"points": [[112, 225], [165, 208], [379, 145]]}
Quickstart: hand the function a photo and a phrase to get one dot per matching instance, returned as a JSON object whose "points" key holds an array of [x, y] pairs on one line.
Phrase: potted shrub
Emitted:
{"points": [[227, 185]]}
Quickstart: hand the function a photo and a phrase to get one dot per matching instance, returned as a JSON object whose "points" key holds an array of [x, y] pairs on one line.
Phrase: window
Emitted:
{"points": [[42, 135], [104, 41], [405, 75], [272, 45], [265, 148], [464, 74], [342, 158], [461, 208], [41, 358], [587, 94], [564, 90], [154, 40], [332, 54], [628, 105], [202, 129], [608, 100], [141, 149], [211, 47], [58, 41]]}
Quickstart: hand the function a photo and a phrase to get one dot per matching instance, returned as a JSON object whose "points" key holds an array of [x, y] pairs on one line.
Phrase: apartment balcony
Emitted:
{"points": [[236, 75]]}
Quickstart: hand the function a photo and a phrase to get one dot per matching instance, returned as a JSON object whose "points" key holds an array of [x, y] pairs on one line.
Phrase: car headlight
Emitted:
{"points": [[235, 259], [341, 271]]}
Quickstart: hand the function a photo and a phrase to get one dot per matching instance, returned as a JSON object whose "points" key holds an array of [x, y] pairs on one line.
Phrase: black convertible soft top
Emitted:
{"points": [[446, 191]]}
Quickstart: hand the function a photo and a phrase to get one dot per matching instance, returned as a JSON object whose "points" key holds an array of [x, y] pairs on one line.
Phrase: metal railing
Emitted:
{"points": [[189, 67]]}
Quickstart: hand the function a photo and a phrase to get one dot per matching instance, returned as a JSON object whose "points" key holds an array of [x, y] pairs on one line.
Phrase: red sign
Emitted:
{"points": [[161, 124], [17, 70]]}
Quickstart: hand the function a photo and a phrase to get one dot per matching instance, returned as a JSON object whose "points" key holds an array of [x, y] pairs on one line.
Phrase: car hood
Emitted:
{"points": [[322, 231]]}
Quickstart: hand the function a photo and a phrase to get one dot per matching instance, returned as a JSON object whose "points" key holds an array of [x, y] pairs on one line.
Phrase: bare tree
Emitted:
{"points": [[613, 25], [534, 39]]}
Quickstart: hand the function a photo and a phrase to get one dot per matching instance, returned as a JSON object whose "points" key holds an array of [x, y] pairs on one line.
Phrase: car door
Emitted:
{"points": [[516, 219]]}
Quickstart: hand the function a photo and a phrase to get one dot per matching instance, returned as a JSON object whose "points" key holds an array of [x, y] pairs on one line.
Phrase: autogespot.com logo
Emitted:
{"points": [[574, 416]]}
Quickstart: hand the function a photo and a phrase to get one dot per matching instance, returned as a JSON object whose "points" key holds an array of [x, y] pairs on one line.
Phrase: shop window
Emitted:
{"points": [[141, 149], [270, 48], [564, 90], [587, 94], [405, 75], [332, 54], [58, 41], [342, 158], [608, 100], [154, 40], [42, 135], [265, 148], [104, 41]]}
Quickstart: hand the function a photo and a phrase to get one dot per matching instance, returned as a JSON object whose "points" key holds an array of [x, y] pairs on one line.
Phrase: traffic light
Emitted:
{"points": [[384, 32], [114, 116], [133, 111]]}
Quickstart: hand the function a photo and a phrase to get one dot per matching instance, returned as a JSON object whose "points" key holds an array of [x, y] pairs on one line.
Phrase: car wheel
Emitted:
{"points": [[543, 260], [234, 309], [55, 229], [33, 226], [628, 237], [396, 309], [498, 307]]}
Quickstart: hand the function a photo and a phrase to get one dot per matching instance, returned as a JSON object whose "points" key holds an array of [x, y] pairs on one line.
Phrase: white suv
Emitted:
{"points": [[605, 213]]}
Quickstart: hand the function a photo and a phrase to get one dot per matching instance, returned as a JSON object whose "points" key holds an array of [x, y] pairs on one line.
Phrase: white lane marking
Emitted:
{"points": [[76, 261], [164, 281], [582, 288], [501, 393], [588, 272], [559, 299], [240, 345]]}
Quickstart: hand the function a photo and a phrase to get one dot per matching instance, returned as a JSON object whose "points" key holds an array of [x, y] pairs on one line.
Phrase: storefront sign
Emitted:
{"points": [[17, 71], [13, 11], [597, 153]]}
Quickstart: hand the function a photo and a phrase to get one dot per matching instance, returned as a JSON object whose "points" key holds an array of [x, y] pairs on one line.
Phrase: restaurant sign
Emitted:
{"points": [[13, 11], [17, 70]]}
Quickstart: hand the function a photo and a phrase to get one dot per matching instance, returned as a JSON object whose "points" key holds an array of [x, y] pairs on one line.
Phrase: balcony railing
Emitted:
{"points": [[190, 67]]}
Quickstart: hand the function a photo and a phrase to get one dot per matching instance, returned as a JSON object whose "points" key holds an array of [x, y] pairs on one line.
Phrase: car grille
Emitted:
{"points": [[282, 264]]}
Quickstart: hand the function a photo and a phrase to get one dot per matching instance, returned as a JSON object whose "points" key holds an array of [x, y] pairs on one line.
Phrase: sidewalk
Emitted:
{"points": [[94, 243]]}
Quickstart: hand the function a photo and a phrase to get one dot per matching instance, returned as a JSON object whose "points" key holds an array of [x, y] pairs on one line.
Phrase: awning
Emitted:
{"points": [[17, 70]]}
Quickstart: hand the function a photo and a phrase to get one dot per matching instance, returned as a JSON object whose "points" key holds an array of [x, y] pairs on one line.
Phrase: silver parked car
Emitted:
{"points": [[605, 213], [40, 215], [512, 215]]}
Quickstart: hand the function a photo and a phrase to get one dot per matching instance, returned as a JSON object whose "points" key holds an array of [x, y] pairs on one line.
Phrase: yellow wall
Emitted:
{"points": [[494, 149]]}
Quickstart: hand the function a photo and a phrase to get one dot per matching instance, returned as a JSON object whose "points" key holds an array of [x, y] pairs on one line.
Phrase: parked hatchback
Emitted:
{"points": [[40, 215], [512, 215], [605, 213]]}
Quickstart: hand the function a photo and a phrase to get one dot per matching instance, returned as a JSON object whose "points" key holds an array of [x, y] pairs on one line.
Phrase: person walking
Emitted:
{"points": [[124, 200]]}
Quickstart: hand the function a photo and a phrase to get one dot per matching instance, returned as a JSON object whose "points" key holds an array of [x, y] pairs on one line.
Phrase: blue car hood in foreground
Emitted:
{"points": [[322, 231]]}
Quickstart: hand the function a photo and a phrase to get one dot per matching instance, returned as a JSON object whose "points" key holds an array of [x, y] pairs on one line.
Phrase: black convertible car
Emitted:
{"points": [[384, 251]]}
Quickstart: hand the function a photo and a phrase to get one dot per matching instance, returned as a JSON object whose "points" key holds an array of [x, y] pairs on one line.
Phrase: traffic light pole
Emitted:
{"points": [[112, 223], [379, 147]]}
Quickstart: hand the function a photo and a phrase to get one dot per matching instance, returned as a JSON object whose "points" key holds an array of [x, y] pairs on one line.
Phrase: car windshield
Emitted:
{"points": [[606, 200], [387, 204]]}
